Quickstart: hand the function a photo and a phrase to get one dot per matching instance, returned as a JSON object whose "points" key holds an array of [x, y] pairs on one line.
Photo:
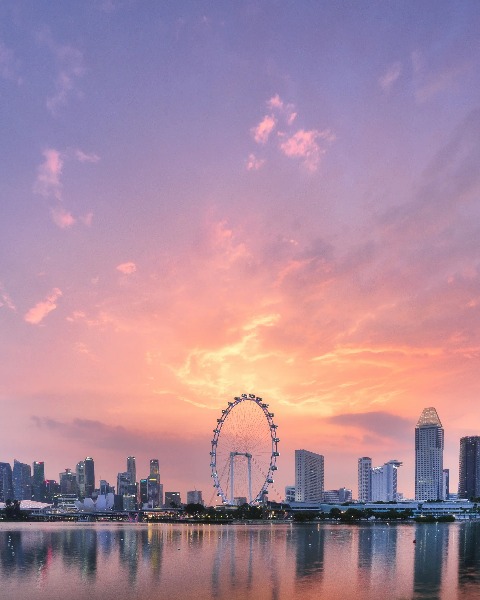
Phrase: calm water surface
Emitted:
{"points": [[140, 561]]}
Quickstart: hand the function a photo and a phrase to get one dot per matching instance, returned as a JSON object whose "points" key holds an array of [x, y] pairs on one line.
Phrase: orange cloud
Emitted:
{"points": [[36, 314], [127, 268], [303, 144], [262, 131]]}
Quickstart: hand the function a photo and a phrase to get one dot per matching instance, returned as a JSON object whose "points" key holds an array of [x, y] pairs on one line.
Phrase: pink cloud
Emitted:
{"points": [[275, 102], [70, 67], [262, 131], [36, 314], [254, 163], [48, 174], [127, 268], [5, 299], [62, 217], [303, 144], [84, 157]]}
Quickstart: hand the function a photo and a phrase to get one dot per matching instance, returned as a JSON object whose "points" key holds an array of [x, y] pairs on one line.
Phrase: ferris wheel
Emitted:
{"points": [[244, 451]]}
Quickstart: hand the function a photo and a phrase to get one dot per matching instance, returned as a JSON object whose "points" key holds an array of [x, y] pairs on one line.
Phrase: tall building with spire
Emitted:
{"points": [[429, 439], [469, 468]]}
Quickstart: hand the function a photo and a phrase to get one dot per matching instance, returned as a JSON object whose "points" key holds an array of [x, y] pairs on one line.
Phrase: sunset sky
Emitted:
{"points": [[203, 198]]}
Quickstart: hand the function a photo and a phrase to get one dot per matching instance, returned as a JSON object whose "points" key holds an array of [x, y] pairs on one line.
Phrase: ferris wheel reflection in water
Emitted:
{"points": [[244, 451]]}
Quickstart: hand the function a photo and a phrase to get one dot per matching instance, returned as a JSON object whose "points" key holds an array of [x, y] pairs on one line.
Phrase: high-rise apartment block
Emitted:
{"points": [[364, 479], [384, 482], [429, 439], [469, 468], [309, 476]]}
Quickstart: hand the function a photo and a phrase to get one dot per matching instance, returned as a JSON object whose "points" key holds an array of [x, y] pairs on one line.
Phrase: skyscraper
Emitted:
{"points": [[38, 481], [80, 473], [364, 479], [22, 481], [429, 456], [309, 476], [89, 477], [469, 468], [132, 469], [154, 467], [6, 483]]}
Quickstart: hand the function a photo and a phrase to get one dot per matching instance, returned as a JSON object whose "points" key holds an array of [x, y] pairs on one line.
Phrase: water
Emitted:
{"points": [[142, 561]]}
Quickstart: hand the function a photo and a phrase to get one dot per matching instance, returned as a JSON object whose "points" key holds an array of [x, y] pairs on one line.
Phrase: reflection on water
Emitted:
{"points": [[143, 561]]}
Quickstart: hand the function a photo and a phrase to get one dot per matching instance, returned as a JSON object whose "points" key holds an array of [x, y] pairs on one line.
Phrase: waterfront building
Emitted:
{"points": [[38, 482], [364, 479], [384, 482], [154, 491], [22, 481], [6, 483], [194, 497], [80, 474], [309, 476], [469, 468], [337, 496], [89, 477], [172, 499], [429, 440]]}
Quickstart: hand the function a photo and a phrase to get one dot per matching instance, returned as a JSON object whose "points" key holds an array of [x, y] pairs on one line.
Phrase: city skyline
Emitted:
{"points": [[201, 200]]}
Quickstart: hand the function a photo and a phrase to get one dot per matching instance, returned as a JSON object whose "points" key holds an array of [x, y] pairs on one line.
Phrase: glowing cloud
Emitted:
{"points": [[127, 268], [303, 144], [62, 218], [254, 163], [48, 174], [263, 130], [36, 314]]}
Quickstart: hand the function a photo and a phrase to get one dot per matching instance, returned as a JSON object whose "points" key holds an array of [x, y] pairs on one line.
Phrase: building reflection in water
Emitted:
{"points": [[431, 550], [261, 561], [469, 558], [309, 543]]}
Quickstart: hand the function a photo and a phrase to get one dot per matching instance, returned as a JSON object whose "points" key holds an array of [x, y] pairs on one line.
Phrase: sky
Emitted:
{"points": [[201, 199]]}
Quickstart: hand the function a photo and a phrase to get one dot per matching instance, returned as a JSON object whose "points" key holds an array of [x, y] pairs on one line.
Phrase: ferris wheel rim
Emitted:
{"points": [[273, 454]]}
